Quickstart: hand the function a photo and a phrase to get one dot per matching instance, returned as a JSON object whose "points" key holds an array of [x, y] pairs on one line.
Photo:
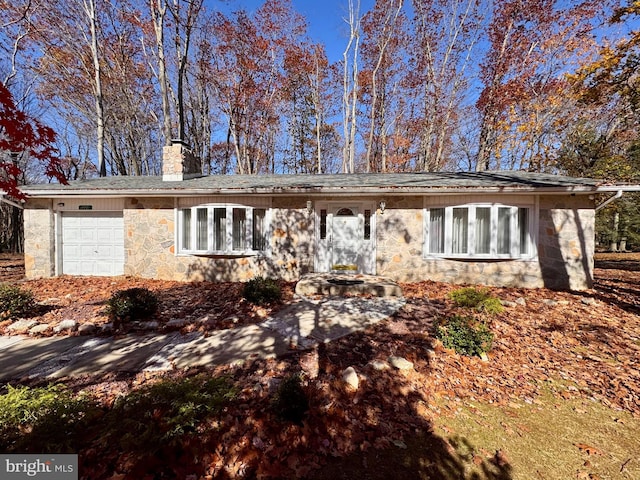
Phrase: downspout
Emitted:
{"points": [[609, 200]]}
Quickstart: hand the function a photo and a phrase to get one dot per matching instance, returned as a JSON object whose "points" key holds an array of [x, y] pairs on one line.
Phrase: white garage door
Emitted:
{"points": [[92, 243]]}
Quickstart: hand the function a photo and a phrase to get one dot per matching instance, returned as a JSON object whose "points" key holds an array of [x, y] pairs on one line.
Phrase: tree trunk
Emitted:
{"points": [[90, 10], [158, 10], [350, 89]]}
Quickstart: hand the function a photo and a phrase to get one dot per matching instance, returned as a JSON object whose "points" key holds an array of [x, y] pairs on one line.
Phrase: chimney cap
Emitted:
{"points": [[179, 141]]}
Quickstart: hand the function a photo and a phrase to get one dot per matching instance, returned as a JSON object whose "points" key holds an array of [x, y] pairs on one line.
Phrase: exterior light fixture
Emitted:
{"points": [[383, 205], [309, 206]]}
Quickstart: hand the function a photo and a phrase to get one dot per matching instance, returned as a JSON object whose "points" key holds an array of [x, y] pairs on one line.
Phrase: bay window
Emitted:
{"points": [[478, 231], [222, 230]]}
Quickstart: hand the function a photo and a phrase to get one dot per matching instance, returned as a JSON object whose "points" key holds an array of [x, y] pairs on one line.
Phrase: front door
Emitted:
{"points": [[344, 239]]}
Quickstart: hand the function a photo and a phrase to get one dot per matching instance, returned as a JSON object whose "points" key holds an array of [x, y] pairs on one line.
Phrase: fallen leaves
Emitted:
{"points": [[568, 347], [588, 449]]}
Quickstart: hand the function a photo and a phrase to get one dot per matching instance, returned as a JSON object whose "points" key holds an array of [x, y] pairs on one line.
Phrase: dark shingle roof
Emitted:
{"points": [[360, 183]]}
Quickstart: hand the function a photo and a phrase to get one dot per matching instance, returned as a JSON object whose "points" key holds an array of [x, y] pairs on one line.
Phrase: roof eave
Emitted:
{"points": [[324, 190]]}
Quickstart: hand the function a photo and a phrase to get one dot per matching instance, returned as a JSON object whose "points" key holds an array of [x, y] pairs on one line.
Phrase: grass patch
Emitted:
{"points": [[550, 439]]}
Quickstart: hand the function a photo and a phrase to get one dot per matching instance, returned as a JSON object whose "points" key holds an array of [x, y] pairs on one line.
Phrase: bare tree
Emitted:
{"points": [[158, 10], [385, 22], [350, 88]]}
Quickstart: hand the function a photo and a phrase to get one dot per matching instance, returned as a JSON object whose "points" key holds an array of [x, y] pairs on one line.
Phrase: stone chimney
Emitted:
{"points": [[179, 163]]}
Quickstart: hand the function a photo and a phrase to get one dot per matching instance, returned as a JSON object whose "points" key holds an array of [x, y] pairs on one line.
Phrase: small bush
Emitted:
{"points": [[15, 302], [465, 335], [42, 420], [479, 299], [163, 413], [262, 291], [290, 402], [132, 304]]}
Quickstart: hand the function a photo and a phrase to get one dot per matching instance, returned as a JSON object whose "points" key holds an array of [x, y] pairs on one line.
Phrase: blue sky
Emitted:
{"points": [[325, 19]]}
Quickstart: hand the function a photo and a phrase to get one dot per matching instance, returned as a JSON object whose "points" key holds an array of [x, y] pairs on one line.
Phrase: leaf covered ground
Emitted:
{"points": [[570, 346]]}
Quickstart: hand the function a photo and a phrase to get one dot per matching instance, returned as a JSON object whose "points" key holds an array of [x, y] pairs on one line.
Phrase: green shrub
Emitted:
{"points": [[290, 402], [262, 290], [465, 335], [161, 414], [42, 420], [15, 302], [479, 299], [132, 304]]}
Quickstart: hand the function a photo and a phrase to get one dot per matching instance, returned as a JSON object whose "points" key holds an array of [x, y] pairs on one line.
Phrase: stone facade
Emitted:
{"points": [[565, 246], [151, 251], [39, 239], [565, 249]]}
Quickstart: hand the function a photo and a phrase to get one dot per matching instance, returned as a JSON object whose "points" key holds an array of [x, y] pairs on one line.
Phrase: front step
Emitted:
{"points": [[345, 284]]}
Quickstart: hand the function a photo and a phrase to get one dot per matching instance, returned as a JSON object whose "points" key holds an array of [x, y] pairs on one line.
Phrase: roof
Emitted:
{"points": [[337, 184]]}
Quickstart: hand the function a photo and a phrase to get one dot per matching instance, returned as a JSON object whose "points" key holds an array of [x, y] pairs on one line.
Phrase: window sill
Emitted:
{"points": [[478, 258], [221, 254]]}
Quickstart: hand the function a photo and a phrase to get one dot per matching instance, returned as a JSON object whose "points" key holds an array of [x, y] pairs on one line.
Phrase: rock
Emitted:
{"points": [[274, 384], [350, 377], [379, 365], [87, 329], [51, 301], [549, 301], [484, 357], [400, 363], [176, 323], [65, 325], [521, 301], [508, 303], [38, 329], [588, 301], [107, 328], [151, 325], [21, 325]]}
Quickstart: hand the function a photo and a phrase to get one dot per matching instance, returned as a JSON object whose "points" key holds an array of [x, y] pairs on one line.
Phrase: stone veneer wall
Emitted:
{"points": [[566, 242], [39, 239], [150, 246], [565, 249], [565, 246]]}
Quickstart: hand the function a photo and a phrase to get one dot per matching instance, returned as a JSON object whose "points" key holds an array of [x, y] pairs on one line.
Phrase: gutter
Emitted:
{"points": [[609, 200], [309, 191], [9, 202]]}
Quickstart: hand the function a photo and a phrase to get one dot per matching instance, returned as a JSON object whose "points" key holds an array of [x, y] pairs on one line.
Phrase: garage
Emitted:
{"points": [[92, 243]]}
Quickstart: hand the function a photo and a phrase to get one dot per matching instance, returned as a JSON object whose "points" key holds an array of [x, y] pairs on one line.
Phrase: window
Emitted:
{"points": [[222, 229], [485, 231], [367, 224], [323, 224]]}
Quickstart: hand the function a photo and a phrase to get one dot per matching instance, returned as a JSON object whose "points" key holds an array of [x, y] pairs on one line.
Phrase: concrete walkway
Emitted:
{"points": [[302, 324]]}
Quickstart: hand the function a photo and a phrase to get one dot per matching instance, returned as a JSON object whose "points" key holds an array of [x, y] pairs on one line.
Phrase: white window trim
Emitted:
{"points": [[228, 251], [514, 253]]}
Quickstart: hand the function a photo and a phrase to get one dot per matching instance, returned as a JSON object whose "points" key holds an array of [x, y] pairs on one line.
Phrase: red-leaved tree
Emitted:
{"points": [[21, 134]]}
